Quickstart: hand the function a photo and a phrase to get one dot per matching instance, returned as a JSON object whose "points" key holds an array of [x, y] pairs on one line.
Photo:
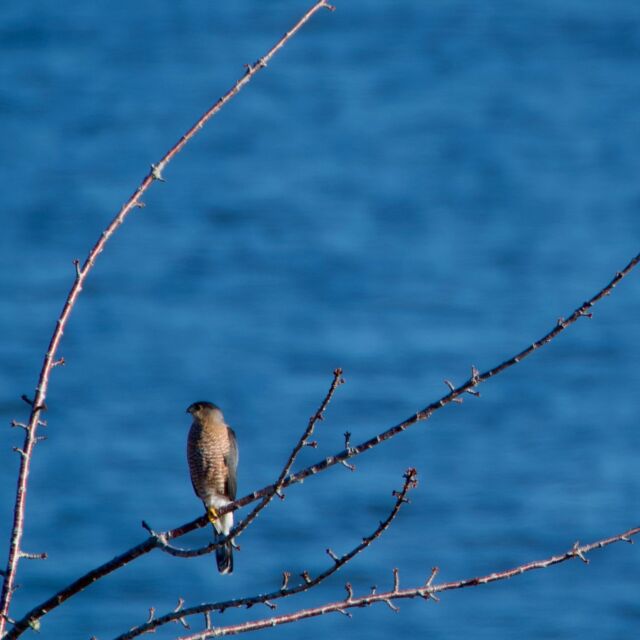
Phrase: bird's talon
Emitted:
{"points": [[212, 514]]}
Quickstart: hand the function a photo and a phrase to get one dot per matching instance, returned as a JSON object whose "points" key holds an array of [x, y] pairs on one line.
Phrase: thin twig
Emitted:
{"points": [[276, 487], [410, 482], [475, 379], [426, 591], [81, 273]]}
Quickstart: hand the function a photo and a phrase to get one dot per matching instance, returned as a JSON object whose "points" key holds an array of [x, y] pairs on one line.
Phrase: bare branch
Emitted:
{"points": [[38, 404], [475, 379], [410, 482], [276, 488], [426, 591]]}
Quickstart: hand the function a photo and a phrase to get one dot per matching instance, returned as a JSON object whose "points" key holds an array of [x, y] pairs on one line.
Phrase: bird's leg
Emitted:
{"points": [[212, 514]]}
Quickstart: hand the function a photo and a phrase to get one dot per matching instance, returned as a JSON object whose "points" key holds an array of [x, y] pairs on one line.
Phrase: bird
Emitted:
{"points": [[212, 454]]}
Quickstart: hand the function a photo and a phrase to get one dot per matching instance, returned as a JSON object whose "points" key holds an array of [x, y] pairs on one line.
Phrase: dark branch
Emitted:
{"points": [[410, 482], [81, 273], [275, 488], [475, 379], [426, 591]]}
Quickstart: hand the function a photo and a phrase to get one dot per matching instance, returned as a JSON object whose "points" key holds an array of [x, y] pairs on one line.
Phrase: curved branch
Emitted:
{"points": [[163, 545], [410, 482], [467, 387], [426, 591], [38, 405]]}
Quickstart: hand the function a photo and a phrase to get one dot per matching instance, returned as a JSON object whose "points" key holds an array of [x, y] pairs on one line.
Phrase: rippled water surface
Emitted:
{"points": [[410, 188]]}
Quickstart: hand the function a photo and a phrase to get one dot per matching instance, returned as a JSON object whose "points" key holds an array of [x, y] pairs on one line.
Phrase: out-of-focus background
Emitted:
{"points": [[409, 189]]}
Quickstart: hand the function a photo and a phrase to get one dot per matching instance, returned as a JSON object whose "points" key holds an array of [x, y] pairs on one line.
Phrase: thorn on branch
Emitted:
{"points": [[586, 314], [473, 392], [347, 440], [396, 580], [285, 580], [373, 590], [306, 577], [351, 467], [207, 620], [279, 493], [434, 573], [577, 551], [7, 618], [24, 397], [345, 613], [450, 384], [349, 589], [328, 6], [156, 172], [182, 621], [22, 425], [391, 605], [20, 451], [333, 556], [314, 443], [338, 374], [60, 362], [270, 604], [139, 204], [76, 264], [152, 613], [146, 526], [475, 375]]}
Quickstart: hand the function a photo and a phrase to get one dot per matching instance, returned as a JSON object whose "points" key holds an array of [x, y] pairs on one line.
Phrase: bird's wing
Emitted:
{"points": [[231, 460]]}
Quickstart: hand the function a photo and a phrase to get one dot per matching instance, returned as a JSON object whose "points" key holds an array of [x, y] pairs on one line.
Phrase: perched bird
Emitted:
{"points": [[212, 452]]}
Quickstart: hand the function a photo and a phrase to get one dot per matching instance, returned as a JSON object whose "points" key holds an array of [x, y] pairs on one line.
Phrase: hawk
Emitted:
{"points": [[212, 453]]}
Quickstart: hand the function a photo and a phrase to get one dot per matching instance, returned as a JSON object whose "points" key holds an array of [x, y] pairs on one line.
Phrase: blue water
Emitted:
{"points": [[410, 188]]}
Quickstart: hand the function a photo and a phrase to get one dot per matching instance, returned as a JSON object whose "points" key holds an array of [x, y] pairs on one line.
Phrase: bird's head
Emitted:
{"points": [[205, 411]]}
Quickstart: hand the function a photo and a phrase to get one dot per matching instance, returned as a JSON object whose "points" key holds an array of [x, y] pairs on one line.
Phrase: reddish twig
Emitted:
{"points": [[426, 591], [410, 482], [81, 273], [475, 379]]}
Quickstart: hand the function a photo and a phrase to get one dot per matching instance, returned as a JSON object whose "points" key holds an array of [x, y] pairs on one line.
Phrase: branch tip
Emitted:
{"points": [[332, 555], [285, 580], [349, 589], [434, 573], [391, 606]]}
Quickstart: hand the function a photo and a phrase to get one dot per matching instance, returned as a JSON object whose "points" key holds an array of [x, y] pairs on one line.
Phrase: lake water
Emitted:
{"points": [[409, 189]]}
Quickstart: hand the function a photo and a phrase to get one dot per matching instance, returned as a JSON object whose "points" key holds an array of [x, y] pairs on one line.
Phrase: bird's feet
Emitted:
{"points": [[212, 514]]}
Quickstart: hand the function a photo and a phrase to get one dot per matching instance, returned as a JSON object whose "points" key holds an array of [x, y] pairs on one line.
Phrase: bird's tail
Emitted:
{"points": [[224, 556], [221, 527]]}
